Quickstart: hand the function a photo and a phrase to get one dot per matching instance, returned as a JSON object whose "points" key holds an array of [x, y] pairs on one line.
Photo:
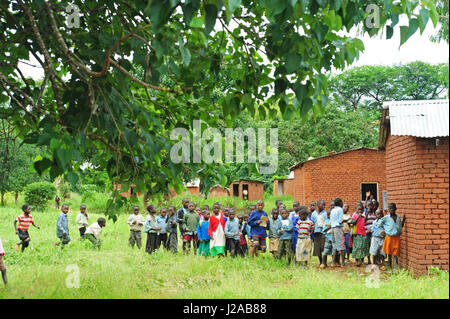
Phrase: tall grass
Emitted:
{"points": [[117, 271]]}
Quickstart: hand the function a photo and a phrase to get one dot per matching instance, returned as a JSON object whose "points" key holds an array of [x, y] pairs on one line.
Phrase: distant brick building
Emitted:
{"points": [[351, 175], [415, 135], [218, 191], [254, 189], [284, 186]]}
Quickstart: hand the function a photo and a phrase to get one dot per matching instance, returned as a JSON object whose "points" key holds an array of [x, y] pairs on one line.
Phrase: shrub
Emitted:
{"points": [[87, 191], [38, 194], [64, 190]]}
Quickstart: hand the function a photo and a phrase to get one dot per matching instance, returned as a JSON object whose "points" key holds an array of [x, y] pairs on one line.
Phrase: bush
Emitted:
{"points": [[87, 191], [64, 190], [38, 194]]}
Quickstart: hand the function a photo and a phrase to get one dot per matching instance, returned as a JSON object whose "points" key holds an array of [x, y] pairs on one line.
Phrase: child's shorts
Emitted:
{"points": [[376, 246], [328, 249], [303, 249], [187, 237], [391, 245], [260, 240], [273, 244]]}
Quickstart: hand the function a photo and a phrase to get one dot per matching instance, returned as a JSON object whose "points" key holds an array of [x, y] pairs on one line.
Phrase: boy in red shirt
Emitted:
{"points": [[24, 223]]}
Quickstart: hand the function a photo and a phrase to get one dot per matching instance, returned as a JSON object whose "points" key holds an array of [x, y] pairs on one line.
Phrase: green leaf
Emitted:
{"points": [[233, 5], [403, 34], [320, 32], [72, 177], [424, 15], [293, 62], [42, 165], [389, 32], [210, 18], [413, 25], [300, 91], [275, 6], [64, 156], [306, 106]]}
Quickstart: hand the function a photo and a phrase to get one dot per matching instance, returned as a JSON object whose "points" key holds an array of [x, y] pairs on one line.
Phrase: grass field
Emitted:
{"points": [[117, 271]]}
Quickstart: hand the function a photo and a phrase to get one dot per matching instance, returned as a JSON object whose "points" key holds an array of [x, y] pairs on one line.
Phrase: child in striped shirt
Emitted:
{"points": [[305, 228], [24, 223]]}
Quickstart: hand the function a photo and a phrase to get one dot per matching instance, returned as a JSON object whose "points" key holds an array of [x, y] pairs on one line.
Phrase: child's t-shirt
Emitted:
{"points": [[370, 219], [305, 228], [273, 233], [360, 224], [24, 222], [162, 222], [376, 228], [202, 230]]}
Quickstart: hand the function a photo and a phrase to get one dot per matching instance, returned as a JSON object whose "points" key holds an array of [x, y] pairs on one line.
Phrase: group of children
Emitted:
{"points": [[294, 235]]}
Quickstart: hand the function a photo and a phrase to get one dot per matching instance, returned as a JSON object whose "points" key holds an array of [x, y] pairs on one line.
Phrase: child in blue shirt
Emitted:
{"points": [[377, 240], [202, 233], [285, 230], [161, 221], [258, 233], [232, 233]]}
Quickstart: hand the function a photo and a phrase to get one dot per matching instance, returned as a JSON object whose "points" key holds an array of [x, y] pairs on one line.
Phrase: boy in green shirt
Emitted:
{"points": [[190, 222]]}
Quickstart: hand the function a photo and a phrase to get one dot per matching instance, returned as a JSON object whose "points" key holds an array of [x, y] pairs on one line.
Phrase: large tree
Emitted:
{"points": [[131, 71]]}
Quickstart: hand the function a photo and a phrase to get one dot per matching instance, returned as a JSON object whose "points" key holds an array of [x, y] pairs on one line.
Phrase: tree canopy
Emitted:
{"points": [[131, 71]]}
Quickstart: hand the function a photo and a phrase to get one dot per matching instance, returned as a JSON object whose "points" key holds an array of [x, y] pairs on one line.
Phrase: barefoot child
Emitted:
{"points": [[336, 220], [62, 227], [2, 264], [274, 237], [82, 220], [376, 243], [136, 221], [172, 229], [393, 225], [202, 233], [318, 218], [190, 222], [94, 231], [360, 244], [151, 228], [347, 232], [161, 221], [24, 224], [285, 230], [232, 233], [258, 233], [216, 231], [305, 227], [243, 248]]}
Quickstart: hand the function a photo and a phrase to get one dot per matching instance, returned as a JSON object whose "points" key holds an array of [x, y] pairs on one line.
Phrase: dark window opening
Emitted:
{"points": [[368, 190], [236, 190]]}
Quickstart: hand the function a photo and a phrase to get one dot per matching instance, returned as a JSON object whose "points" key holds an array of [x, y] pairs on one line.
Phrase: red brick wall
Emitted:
{"points": [[417, 176], [193, 190], [340, 175], [288, 187], [255, 190]]}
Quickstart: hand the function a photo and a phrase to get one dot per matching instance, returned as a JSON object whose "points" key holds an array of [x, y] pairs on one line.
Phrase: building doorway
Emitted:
{"points": [[369, 189], [280, 188], [236, 190], [245, 191]]}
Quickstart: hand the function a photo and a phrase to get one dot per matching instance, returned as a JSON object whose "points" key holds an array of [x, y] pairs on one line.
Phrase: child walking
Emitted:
{"points": [[305, 227], [161, 221], [172, 229], [136, 221], [393, 225], [274, 237], [216, 231], [202, 233], [232, 233], [62, 227], [285, 230], [151, 228], [94, 231], [2, 264], [25, 221], [82, 220], [190, 222]]}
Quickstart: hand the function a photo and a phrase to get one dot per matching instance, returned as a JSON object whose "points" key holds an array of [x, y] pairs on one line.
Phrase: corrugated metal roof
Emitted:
{"points": [[423, 118]]}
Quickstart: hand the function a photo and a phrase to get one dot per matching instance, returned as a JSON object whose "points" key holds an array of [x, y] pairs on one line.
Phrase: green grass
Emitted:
{"points": [[116, 271]]}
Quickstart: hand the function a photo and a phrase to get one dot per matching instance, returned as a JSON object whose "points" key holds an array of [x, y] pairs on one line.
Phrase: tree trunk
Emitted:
{"points": [[3, 199], [16, 197]]}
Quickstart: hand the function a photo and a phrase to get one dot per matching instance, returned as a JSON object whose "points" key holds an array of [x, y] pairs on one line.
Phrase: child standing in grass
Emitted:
{"points": [[151, 228], [161, 220], [243, 249], [82, 220], [136, 221], [326, 230], [346, 229], [172, 229], [318, 218], [216, 231], [274, 237], [202, 233], [336, 220], [305, 227], [232, 233], [2, 264], [190, 222], [258, 233], [94, 231], [360, 244], [393, 225], [62, 227], [370, 217], [377, 241], [25, 221], [285, 230]]}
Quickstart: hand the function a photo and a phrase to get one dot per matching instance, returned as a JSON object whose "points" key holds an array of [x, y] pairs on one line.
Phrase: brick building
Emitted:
{"points": [[218, 191], [415, 136], [351, 175], [284, 186], [253, 190]]}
